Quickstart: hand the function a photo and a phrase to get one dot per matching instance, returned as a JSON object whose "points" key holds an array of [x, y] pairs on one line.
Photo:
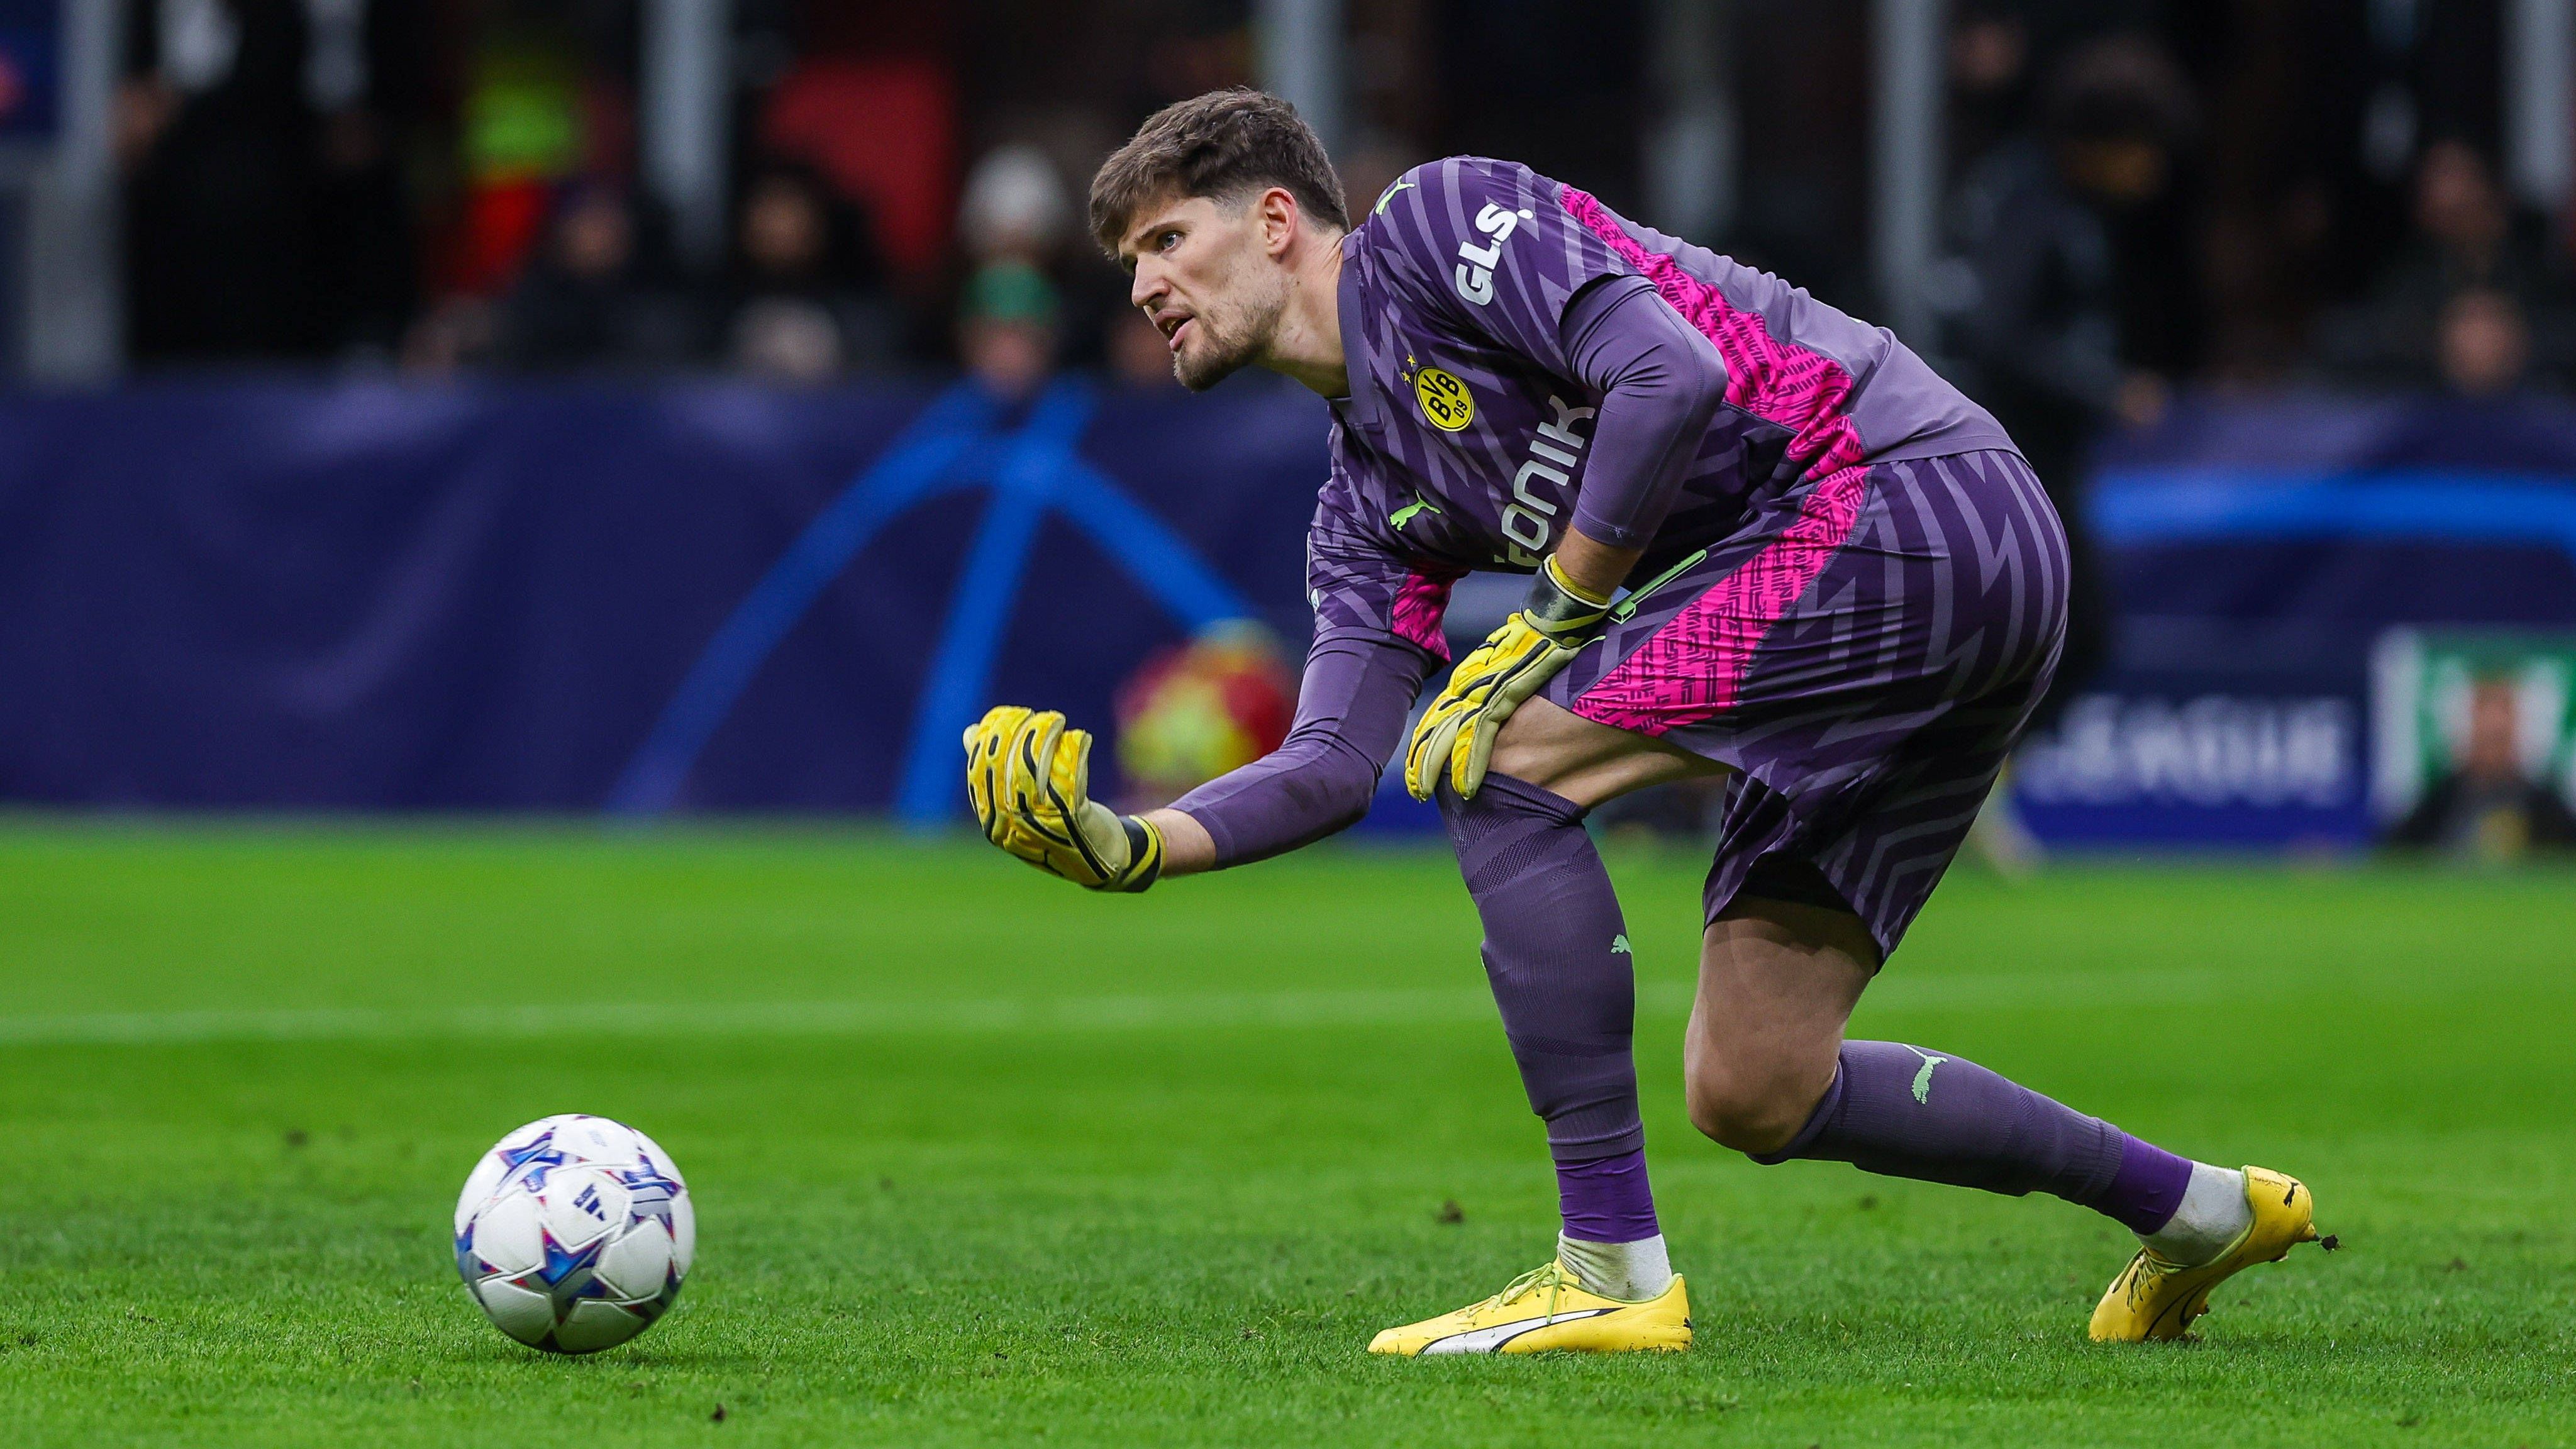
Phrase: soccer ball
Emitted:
{"points": [[573, 1233]]}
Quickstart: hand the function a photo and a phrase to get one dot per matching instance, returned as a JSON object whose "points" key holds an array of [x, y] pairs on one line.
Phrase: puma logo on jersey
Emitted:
{"points": [[1475, 270], [1552, 456]]}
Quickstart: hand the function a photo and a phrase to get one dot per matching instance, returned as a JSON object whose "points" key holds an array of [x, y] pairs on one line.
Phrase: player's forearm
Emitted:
{"points": [[1187, 848], [1309, 788], [1592, 566]]}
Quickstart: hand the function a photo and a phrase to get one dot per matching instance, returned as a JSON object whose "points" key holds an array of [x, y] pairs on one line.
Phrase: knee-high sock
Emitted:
{"points": [[1556, 953], [1906, 1112]]}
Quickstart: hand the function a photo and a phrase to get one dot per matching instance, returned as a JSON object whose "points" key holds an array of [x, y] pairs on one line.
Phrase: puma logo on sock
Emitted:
{"points": [[1619, 946], [1923, 1078]]}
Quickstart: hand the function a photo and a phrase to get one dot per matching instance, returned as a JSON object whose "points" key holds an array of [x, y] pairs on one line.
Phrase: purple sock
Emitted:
{"points": [[1607, 1201], [2147, 1190], [1905, 1112], [1556, 953]]}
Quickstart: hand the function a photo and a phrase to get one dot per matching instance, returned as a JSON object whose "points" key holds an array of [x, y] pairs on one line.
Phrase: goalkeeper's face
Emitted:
{"points": [[1213, 278]]}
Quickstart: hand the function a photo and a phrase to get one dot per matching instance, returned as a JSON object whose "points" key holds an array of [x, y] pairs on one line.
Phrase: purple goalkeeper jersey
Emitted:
{"points": [[1476, 298], [1464, 442]]}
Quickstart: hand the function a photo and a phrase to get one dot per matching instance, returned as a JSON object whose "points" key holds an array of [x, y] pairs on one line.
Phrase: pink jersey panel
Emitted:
{"points": [[1693, 666], [1420, 604]]}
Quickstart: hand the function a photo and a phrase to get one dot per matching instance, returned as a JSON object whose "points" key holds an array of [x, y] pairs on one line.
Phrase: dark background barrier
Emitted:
{"points": [[378, 596]]}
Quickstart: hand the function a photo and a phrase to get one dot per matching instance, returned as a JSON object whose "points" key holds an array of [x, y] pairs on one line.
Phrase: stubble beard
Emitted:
{"points": [[1230, 338]]}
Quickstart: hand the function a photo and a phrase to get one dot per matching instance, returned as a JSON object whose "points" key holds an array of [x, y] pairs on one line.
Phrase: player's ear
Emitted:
{"points": [[1276, 210]]}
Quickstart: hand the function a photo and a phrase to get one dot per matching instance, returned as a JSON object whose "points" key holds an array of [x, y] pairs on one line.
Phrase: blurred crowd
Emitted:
{"points": [[2142, 194], [2111, 237], [2123, 220], [439, 185]]}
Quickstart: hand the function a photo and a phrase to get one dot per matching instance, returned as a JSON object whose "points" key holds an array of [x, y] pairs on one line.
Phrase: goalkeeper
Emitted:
{"points": [[1765, 542]]}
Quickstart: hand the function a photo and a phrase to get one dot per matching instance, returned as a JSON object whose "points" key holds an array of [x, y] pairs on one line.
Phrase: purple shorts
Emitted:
{"points": [[1863, 654]]}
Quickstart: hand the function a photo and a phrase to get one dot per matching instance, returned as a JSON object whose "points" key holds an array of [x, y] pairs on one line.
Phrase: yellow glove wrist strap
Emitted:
{"points": [[1558, 609], [1556, 575]]}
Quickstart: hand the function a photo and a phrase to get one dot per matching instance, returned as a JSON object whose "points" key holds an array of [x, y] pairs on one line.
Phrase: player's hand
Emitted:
{"points": [[1457, 733], [1030, 780]]}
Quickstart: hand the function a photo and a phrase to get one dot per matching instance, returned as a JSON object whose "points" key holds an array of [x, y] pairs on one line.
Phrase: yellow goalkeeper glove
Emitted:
{"points": [[1457, 732], [1030, 780]]}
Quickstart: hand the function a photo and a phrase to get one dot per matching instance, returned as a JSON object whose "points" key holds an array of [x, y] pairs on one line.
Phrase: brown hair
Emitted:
{"points": [[1227, 145]]}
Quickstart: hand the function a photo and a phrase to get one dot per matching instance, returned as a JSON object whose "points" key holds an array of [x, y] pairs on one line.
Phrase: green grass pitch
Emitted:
{"points": [[982, 1159]]}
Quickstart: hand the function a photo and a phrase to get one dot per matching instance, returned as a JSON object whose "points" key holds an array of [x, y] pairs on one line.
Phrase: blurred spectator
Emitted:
{"points": [[2485, 807], [2039, 313], [265, 214], [2483, 343], [2473, 298], [366, 73], [1007, 328], [522, 134], [875, 111], [2042, 306], [456, 331], [2468, 234], [218, 140], [591, 297], [1989, 76], [1015, 207], [806, 298]]}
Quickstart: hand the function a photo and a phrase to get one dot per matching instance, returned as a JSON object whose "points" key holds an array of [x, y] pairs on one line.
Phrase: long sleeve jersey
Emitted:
{"points": [[1522, 360]]}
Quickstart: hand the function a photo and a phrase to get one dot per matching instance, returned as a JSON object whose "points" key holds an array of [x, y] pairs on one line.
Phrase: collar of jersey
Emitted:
{"points": [[1363, 408]]}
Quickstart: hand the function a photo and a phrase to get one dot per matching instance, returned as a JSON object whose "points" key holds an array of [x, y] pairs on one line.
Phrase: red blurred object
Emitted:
{"points": [[885, 132], [1194, 711], [501, 224]]}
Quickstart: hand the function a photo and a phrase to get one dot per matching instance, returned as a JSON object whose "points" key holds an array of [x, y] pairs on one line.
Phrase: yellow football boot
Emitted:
{"points": [[2155, 1299], [1545, 1308]]}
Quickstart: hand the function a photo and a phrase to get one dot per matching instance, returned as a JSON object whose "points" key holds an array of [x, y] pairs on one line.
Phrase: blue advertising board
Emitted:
{"points": [[702, 595], [2257, 554], [577, 596]]}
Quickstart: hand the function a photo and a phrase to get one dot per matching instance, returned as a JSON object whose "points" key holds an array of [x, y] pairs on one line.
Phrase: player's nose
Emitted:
{"points": [[1147, 289]]}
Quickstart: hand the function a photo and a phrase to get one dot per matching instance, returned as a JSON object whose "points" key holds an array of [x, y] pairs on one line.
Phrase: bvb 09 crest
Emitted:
{"points": [[1445, 400]]}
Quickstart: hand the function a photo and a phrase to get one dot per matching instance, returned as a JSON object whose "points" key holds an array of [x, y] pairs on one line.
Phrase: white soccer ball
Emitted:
{"points": [[573, 1233]]}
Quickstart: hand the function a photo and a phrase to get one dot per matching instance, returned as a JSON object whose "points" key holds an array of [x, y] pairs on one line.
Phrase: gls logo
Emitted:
{"points": [[1552, 456], [1475, 273]]}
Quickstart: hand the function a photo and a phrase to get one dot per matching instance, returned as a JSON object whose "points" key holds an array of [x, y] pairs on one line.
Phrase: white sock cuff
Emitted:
{"points": [[2212, 1216], [1630, 1272]]}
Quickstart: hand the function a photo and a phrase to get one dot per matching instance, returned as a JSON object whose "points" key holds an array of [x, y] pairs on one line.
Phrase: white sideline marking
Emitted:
{"points": [[782, 1018], [1001, 1016]]}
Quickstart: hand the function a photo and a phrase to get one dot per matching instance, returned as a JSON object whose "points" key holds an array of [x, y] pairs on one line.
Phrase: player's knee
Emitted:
{"points": [[1753, 1107]]}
